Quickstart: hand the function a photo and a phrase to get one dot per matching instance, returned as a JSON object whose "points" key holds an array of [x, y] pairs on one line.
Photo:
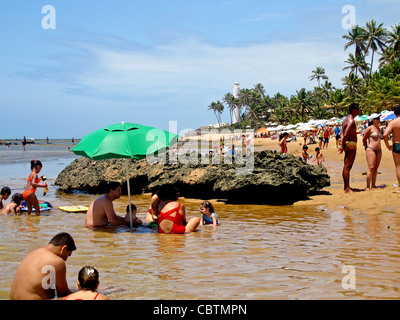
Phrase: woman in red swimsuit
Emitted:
{"points": [[172, 217], [30, 189], [88, 282]]}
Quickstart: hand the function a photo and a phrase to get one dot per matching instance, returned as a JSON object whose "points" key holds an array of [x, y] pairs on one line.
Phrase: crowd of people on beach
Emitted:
{"points": [[346, 141]]}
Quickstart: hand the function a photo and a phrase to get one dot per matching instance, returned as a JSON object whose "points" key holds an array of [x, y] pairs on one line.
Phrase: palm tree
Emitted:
{"points": [[357, 63], [231, 101], [375, 39], [301, 102], [318, 73], [353, 85], [218, 108], [260, 89], [356, 37], [336, 101]]}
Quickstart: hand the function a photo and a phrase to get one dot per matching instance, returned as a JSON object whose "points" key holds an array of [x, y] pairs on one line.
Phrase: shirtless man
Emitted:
{"points": [[349, 144], [394, 129], [101, 211], [42, 273]]}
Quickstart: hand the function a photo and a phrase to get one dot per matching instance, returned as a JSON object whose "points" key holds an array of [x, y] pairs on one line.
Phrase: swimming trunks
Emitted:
{"points": [[178, 226], [350, 145], [209, 220], [396, 148]]}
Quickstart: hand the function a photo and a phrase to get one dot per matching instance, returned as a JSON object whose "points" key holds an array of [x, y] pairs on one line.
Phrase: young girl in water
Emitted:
{"points": [[88, 282], [33, 183], [208, 216], [13, 207]]}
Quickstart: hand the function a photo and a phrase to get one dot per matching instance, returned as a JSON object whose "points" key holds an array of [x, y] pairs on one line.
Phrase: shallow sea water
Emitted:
{"points": [[258, 252]]}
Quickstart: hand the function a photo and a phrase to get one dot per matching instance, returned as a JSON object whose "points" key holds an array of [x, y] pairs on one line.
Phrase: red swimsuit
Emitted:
{"points": [[178, 226]]}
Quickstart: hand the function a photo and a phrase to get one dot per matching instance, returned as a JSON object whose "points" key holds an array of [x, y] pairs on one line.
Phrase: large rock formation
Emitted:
{"points": [[267, 178]]}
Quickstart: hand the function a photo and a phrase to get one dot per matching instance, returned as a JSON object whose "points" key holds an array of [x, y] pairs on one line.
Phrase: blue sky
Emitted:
{"points": [[155, 61]]}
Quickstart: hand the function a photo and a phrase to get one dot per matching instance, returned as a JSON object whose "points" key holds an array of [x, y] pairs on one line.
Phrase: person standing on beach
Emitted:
{"points": [[101, 211], [337, 135], [31, 186], [373, 150], [394, 129], [42, 274], [349, 144]]}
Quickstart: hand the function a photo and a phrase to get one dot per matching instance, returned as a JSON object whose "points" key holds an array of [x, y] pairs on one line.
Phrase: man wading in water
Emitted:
{"points": [[349, 144]]}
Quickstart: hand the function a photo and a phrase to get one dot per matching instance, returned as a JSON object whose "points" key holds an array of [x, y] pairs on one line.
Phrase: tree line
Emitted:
{"points": [[373, 91]]}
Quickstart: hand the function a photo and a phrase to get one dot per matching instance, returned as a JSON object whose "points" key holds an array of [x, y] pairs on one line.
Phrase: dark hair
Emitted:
{"points": [[207, 204], [168, 192], [113, 185], [305, 147], [133, 207], [317, 149], [5, 190], [88, 278], [63, 239], [396, 109], [35, 163], [17, 198], [353, 106]]}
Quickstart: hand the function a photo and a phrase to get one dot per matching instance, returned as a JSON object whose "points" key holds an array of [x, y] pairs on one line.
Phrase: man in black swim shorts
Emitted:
{"points": [[394, 129]]}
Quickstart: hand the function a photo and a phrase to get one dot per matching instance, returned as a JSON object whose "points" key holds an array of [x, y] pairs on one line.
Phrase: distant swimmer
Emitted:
{"points": [[349, 144]]}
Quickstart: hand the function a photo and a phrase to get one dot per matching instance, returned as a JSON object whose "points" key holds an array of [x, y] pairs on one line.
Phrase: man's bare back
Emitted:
{"points": [[101, 211], [40, 272]]}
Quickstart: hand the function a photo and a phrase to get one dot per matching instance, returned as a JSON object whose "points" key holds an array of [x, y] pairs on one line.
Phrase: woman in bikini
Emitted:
{"points": [[373, 151], [30, 189], [172, 217], [88, 282]]}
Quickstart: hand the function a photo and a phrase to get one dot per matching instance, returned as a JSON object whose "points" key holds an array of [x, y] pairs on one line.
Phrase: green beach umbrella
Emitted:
{"points": [[124, 140]]}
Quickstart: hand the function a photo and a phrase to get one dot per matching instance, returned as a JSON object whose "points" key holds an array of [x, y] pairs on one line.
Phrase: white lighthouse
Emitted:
{"points": [[236, 111]]}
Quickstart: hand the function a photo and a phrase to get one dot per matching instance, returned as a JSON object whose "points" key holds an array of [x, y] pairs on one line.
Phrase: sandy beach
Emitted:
{"points": [[333, 197]]}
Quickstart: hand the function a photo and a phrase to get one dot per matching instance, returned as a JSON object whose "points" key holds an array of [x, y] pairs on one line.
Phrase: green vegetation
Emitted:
{"points": [[374, 91]]}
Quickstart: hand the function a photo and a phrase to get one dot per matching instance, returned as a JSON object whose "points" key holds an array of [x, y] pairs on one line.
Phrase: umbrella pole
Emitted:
{"points": [[129, 191]]}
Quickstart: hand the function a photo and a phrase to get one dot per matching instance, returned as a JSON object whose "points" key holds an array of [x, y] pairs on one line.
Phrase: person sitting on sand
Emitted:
{"points": [[101, 211], [42, 273], [13, 208], [4, 194], [135, 220], [319, 156], [88, 282], [172, 213], [208, 215]]}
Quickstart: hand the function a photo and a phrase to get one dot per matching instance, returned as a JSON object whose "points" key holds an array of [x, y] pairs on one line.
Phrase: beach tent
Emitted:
{"points": [[124, 140], [262, 130]]}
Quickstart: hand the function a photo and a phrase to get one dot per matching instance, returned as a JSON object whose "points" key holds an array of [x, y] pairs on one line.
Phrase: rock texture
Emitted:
{"points": [[274, 179]]}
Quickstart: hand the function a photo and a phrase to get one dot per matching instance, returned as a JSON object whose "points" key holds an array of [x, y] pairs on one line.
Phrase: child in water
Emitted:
{"points": [[135, 220], [88, 282], [319, 156], [208, 216], [13, 207]]}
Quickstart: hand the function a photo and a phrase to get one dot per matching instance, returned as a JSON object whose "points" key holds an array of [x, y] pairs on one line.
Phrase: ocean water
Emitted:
{"points": [[257, 252]]}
